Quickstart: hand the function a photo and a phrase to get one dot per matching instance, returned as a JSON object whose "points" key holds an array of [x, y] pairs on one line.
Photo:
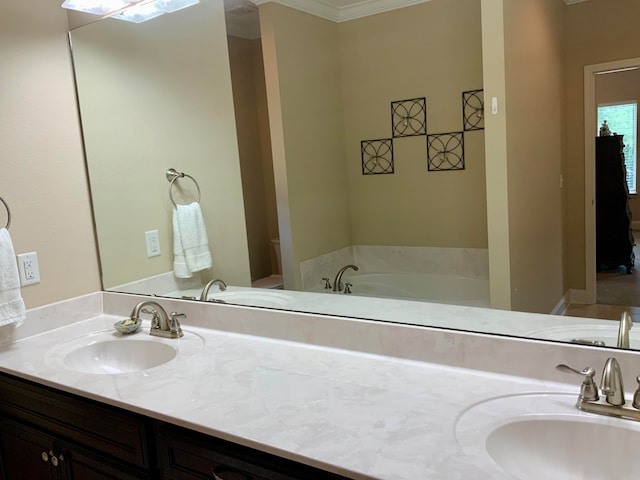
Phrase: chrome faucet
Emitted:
{"points": [[623, 330], [162, 325], [205, 291], [612, 388], [337, 283]]}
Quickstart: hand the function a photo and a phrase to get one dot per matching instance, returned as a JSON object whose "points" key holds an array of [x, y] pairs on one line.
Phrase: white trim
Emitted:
{"points": [[371, 7], [563, 305], [590, 131], [573, 2], [326, 10]]}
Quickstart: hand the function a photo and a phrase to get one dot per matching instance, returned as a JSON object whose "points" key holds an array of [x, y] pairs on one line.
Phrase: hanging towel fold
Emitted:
{"points": [[190, 242], [12, 309]]}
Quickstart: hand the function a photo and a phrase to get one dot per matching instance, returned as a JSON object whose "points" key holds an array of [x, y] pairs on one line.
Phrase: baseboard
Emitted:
{"points": [[562, 305], [635, 225], [572, 295]]}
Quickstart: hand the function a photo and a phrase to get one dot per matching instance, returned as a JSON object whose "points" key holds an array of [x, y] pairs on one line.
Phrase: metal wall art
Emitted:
{"points": [[473, 110], [377, 156], [445, 151], [409, 117]]}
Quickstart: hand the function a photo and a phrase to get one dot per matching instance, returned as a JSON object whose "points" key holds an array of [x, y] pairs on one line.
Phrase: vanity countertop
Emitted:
{"points": [[357, 414]]}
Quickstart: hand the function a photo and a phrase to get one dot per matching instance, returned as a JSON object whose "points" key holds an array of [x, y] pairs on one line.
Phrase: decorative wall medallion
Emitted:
{"points": [[409, 117], [445, 151], [473, 110], [377, 156]]}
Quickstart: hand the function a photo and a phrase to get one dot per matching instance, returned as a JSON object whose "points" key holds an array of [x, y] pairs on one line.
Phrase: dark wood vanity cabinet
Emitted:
{"points": [[186, 455], [49, 434], [46, 434], [614, 238]]}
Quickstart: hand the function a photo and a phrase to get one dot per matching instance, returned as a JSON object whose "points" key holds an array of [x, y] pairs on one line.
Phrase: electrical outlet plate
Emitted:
{"points": [[153, 243], [28, 268]]}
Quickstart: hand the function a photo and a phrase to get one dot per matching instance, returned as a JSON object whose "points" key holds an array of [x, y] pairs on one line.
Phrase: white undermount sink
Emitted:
{"points": [[537, 436], [108, 352]]}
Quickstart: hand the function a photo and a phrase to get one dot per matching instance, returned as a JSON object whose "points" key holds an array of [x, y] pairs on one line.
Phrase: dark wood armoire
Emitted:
{"points": [[614, 239]]}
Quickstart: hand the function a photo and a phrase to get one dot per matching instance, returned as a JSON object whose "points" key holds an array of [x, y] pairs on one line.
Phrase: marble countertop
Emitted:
{"points": [[362, 415]]}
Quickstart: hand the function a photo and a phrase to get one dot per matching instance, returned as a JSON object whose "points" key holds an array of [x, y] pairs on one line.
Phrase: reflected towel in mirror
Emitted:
{"points": [[190, 242], [12, 309]]}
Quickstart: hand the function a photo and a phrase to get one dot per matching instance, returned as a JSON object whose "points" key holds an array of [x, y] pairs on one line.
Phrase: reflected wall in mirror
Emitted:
{"points": [[329, 85], [271, 128]]}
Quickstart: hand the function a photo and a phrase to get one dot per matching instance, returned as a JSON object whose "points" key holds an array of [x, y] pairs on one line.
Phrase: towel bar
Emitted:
{"points": [[6, 205], [172, 175]]}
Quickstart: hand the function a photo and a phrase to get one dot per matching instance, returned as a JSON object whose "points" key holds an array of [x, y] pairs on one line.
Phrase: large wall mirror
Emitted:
{"points": [[309, 145]]}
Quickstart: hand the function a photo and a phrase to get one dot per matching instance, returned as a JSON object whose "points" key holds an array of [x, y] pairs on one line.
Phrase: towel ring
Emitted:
{"points": [[173, 175], [6, 205]]}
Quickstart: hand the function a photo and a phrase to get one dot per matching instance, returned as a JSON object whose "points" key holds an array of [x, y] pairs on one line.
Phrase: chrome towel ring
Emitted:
{"points": [[6, 205], [172, 175]]}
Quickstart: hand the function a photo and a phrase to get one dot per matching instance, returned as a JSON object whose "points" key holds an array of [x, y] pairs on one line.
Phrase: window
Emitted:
{"points": [[622, 119]]}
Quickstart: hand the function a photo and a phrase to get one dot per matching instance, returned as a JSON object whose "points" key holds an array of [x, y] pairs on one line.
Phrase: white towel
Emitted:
{"points": [[190, 242], [12, 309]]}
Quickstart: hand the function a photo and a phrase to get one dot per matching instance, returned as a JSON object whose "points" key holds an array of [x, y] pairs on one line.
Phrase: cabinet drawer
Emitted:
{"points": [[83, 421], [187, 455]]}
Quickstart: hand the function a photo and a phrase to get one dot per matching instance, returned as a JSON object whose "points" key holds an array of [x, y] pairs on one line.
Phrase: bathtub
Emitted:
{"points": [[426, 287]]}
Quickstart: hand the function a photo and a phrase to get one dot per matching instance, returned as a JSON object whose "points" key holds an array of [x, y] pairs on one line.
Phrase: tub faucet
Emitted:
{"points": [[162, 325], [623, 330], [337, 283], [205, 290]]}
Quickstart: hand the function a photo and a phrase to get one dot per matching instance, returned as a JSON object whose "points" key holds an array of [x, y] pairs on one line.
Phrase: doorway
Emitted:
{"points": [[607, 304]]}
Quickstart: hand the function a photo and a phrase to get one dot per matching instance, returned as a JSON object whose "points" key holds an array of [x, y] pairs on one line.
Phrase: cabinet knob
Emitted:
{"points": [[54, 459], [45, 457]]}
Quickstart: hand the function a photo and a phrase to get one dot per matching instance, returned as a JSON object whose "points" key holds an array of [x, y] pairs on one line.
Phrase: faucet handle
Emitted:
{"points": [[636, 396], [155, 320], [174, 323], [347, 287], [327, 283], [589, 388]]}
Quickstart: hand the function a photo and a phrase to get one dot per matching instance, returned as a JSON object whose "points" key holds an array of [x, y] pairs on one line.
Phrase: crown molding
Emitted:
{"points": [[339, 14], [330, 10]]}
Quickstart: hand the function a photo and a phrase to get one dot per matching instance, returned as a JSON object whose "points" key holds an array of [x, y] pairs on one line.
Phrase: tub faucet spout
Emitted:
{"points": [[205, 291], [337, 283], [623, 330]]}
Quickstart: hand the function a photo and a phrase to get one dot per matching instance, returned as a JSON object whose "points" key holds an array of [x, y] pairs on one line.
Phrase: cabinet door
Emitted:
{"points": [[26, 453], [82, 464], [187, 455]]}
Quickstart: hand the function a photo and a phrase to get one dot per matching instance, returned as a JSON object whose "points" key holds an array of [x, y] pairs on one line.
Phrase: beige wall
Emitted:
{"points": [[534, 61], [432, 50], [256, 164], [143, 111], [305, 107], [597, 31], [526, 137], [340, 95], [493, 57], [615, 88], [43, 177]]}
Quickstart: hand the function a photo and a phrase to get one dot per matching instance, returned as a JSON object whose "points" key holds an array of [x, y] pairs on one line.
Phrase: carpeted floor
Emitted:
{"points": [[616, 291], [617, 287]]}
